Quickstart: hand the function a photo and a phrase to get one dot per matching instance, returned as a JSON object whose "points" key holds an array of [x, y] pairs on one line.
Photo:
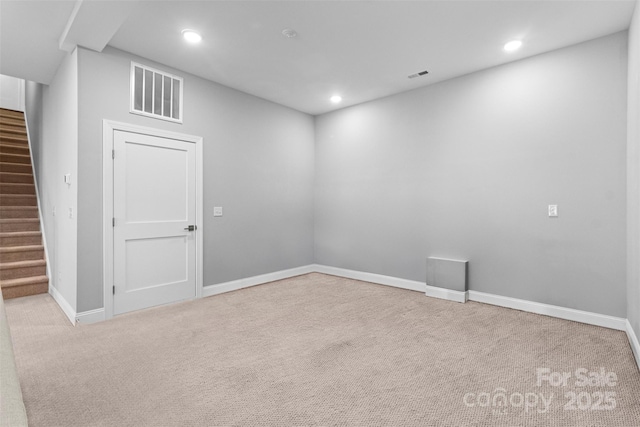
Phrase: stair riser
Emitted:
{"points": [[12, 178], [12, 121], [15, 134], [11, 114], [17, 200], [19, 226], [18, 273], [18, 213], [14, 149], [25, 290], [20, 240], [6, 121], [12, 130], [22, 255], [14, 168], [17, 188], [14, 158], [13, 139]]}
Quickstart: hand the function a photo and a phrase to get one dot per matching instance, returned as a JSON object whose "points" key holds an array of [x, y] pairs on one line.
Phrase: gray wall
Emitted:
{"points": [[52, 114], [34, 112], [465, 169], [258, 165], [633, 171]]}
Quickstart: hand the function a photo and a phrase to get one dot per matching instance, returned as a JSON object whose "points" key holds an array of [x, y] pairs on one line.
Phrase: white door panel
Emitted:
{"points": [[154, 203], [167, 171]]}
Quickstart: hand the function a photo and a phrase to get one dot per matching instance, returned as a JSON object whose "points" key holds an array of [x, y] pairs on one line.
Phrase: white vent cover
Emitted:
{"points": [[156, 93]]}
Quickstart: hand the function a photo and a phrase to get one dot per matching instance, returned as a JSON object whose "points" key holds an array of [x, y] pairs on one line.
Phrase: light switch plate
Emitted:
{"points": [[217, 211], [67, 178], [553, 211]]}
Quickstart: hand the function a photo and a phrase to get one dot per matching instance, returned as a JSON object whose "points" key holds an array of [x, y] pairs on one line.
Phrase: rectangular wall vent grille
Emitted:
{"points": [[156, 93]]}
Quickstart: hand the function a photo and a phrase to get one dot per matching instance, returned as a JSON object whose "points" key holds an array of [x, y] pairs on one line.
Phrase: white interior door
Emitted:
{"points": [[154, 203]]}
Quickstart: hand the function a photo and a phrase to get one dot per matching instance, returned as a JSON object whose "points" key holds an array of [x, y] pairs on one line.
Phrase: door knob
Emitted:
{"points": [[191, 228]]}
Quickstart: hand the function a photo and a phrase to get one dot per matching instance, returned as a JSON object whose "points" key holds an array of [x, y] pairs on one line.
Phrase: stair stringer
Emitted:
{"points": [[39, 204]]}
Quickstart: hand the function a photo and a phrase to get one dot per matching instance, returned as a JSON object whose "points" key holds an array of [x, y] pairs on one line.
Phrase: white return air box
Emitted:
{"points": [[448, 274]]}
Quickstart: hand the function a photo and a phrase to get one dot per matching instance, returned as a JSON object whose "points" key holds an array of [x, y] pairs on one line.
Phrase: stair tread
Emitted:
{"points": [[14, 135], [19, 233], [18, 220], [23, 281], [17, 184], [13, 144], [24, 248], [21, 155], [16, 208], [12, 163], [20, 264], [15, 173]]}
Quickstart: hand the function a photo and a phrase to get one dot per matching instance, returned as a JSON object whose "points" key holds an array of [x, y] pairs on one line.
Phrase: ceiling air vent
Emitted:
{"points": [[421, 73], [155, 93]]}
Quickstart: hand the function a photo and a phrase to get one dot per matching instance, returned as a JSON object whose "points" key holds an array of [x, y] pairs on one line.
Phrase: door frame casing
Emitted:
{"points": [[109, 127]]}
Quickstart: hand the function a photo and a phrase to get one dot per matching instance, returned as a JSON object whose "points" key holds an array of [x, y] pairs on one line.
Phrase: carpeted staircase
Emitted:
{"points": [[22, 262]]}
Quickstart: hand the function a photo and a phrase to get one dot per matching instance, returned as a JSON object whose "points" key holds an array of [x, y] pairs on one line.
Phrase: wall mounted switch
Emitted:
{"points": [[553, 211], [217, 211]]}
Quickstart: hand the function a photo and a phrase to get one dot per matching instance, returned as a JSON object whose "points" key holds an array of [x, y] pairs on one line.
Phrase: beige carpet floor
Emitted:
{"points": [[320, 350]]}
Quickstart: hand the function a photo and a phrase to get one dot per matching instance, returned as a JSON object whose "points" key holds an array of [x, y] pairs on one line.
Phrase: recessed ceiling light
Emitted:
{"points": [[191, 36], [512, 45], [336, 99]]}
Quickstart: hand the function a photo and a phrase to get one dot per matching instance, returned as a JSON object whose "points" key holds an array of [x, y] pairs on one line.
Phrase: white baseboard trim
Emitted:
{"points": [[234, 285], [447, 294], [587, 317], [412, 285], [633, 340], [90, 316], [379, 279], [64, 305], [596, 319]]}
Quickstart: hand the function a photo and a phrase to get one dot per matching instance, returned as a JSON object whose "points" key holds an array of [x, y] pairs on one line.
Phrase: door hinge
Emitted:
{"points": [[113, 222], [113, 154], [114, 289]]}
